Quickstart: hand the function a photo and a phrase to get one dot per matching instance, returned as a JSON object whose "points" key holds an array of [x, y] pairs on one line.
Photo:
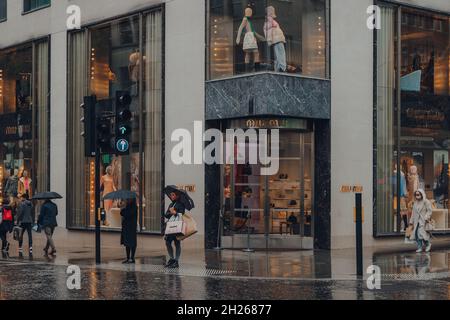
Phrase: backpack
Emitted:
{"points": [[7, 215]]}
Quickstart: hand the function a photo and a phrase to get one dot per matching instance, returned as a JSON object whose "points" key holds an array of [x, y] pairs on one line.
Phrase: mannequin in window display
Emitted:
{"points": [[403, 196], [25, 184], [133, 70], [275, 39], [12, 185], [250, 44], [107, 185]]}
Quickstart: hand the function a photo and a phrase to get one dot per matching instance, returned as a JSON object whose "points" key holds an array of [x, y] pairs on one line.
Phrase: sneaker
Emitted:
{"points": [[132, 261], [175, 265], [126, 262], [419, 250], [428, 248]]}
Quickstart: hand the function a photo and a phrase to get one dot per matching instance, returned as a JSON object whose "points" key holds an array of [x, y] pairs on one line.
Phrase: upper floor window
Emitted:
{"points": [[30, 5], [268, 35], [2, 10]]}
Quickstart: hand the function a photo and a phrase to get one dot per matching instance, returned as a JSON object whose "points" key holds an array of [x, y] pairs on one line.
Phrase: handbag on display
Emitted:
{"points": [[175, 226], [191, 227]]}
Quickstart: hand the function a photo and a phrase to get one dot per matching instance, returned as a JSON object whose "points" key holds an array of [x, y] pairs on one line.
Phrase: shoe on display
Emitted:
{"points": [[428, 248]]}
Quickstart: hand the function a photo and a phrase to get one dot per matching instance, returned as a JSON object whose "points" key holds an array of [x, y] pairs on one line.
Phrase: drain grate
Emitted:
{"points": [[182, 271]]}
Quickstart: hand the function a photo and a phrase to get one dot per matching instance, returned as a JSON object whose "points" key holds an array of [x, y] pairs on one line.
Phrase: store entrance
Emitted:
{"points": [[275, 211]]}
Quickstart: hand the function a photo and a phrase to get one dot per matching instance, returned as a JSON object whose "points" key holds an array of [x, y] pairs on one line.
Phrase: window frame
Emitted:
{"points": [[398, 6], [5, 18], [24, 12], [87, 28]]}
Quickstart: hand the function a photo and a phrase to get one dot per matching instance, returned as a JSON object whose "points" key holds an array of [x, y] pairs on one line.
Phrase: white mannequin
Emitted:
{"points": [[250, 44]]}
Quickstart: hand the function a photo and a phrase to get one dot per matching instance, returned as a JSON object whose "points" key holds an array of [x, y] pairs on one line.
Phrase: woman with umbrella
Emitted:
{"points": [[129, 229], [180, 203], [129, 213]]}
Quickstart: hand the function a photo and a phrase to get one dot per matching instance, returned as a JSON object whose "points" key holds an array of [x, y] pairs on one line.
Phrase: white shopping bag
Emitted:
{"points": [[175, 226]]}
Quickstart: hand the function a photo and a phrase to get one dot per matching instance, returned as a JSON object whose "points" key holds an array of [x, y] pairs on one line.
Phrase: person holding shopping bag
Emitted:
{"points": [[175, 209], [421, 221]]}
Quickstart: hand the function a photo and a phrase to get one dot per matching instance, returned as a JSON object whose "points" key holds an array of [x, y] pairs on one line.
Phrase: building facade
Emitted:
{"points": [[356, 110]]}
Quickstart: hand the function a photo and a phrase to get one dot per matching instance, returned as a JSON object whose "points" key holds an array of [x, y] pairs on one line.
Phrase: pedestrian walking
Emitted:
{"points": [[6, 224], [175, 208], [25, 220], [421, 216], [129, 229], [47, 221]]}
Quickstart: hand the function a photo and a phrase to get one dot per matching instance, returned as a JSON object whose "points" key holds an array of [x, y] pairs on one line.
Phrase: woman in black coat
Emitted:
{"points": [[129, 229]]}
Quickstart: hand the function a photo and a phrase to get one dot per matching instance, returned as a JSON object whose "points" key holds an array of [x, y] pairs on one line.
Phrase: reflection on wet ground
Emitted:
{"points": [[227, 275]]}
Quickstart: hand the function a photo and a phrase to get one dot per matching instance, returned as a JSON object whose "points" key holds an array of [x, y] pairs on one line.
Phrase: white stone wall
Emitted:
{"points": [[184, 80]]}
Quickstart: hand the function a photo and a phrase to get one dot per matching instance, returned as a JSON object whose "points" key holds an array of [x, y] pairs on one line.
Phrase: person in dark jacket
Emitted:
{"points": [[175, 208], [25, 219], [129, 229], [7, 224], [47, 221]]}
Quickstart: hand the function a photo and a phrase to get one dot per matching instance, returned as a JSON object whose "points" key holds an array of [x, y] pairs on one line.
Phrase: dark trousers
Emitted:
{"points": [[29, 229], [3, 237], [131, 252], [169, 241]]}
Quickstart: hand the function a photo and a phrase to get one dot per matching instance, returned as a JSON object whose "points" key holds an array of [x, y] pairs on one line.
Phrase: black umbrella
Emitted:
{"points": [[47, 196], [185, 199], [121, 194]]}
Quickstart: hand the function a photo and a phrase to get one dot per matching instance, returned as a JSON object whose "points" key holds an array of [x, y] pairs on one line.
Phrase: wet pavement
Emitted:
{"points": [[226, 275]]}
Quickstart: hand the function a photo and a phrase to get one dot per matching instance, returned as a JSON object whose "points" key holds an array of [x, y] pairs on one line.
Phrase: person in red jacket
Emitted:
{"points": [[7, 224]]}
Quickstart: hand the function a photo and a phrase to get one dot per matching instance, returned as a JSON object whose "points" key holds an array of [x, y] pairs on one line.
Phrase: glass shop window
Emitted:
{"points": [[268, 35]]}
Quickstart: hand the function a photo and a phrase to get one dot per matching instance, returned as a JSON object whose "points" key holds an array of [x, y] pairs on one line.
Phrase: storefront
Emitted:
{"points": [[122, 55], [268, 68], [413, 123], [24, 119], [271, 208]]}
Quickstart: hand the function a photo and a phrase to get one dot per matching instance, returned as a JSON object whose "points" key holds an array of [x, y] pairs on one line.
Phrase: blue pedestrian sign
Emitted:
{"points": [[122, 145]]}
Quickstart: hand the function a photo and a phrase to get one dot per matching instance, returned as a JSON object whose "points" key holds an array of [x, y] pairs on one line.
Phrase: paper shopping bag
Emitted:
{"points": [[191, 227], [175, 228]]}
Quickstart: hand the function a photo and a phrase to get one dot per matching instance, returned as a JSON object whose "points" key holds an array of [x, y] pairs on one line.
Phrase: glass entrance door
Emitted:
{"points": [[272, 207]]}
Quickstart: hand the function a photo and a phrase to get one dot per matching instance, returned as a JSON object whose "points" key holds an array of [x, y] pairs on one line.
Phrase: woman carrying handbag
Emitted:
{"points": [[175, 208], [421, 221]]}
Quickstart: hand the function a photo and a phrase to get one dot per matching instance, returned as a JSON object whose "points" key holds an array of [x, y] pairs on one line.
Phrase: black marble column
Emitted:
{"points": [[212, 198], [322, 194]]}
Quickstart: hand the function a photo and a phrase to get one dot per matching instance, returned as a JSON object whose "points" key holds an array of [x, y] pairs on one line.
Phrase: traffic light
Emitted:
{"points": [[105, 134], [123, 123], [88, 124]]}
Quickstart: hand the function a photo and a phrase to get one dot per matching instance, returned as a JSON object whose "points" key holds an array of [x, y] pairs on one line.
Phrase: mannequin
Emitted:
{"points": [[12, 185], [25, 184], [413, 182], [250, 44], [276, 39], [107, 184], [403, 195]]}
